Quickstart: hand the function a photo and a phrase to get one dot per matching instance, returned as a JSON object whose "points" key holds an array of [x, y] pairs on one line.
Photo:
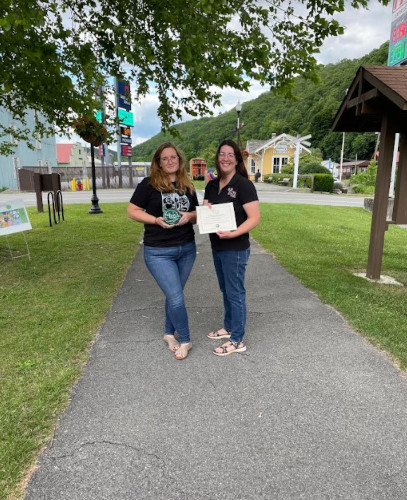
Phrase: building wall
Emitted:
{"points": [[43, 154], [265, 163], [79, 156]]}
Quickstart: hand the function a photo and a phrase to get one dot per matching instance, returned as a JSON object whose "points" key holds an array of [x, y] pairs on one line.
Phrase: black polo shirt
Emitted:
{"points": [[154, 202], [239, 191]]}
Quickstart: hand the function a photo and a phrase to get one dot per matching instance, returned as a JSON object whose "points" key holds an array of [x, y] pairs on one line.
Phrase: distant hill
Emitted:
{"points": [[311, 112]]}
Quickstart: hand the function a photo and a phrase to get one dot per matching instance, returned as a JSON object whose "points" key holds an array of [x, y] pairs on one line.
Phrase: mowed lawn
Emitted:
{"points": [[323, 247], [51, 308], [53, 305]]}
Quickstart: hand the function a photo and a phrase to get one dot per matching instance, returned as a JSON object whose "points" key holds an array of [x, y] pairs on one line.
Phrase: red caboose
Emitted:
{"points": [[197, 167]]}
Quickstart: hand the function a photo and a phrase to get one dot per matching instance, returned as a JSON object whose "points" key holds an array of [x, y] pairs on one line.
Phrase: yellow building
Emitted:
{"points": [[268, 157]]}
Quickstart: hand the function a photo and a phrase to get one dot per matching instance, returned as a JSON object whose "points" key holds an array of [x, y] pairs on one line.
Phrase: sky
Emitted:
{"points": [[365, 30]]}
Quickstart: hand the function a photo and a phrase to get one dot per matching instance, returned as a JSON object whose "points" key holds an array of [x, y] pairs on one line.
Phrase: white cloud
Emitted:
{"points": [[365, 30]]}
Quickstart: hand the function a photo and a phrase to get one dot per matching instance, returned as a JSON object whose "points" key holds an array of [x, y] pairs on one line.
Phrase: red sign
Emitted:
{"points": [[126, 150]]}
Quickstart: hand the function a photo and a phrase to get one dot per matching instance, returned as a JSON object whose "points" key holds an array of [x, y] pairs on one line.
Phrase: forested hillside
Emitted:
{"points": [[311, 112]]}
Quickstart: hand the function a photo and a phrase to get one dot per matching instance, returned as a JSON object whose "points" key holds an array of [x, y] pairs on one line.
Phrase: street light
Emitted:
{"points": [[238, 110], [95, 209]]}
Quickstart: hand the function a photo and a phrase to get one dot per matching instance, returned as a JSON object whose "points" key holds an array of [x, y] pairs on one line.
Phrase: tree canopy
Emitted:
{"points": [[56, 53], [310, 111]]}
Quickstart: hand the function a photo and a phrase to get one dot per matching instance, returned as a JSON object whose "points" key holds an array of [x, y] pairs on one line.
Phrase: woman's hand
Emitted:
{"points": [[186, 217], [160, 222], [226, 235]]}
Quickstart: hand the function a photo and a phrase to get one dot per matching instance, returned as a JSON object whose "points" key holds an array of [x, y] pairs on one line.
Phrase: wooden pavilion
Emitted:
{"points": [[376, 101]]}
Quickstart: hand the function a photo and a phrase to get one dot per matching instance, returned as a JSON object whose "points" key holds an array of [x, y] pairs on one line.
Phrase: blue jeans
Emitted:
{"points": [[230, 266], [171, 267]]}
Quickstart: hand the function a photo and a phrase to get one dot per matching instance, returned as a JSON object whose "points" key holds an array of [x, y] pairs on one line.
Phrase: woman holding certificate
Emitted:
{"points": [[166, 204], [231, 248]]}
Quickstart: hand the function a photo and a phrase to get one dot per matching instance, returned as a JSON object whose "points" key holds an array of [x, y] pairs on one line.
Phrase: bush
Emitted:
{"points": [[364, 179], [313, 168], [323, 182], [305, 182], [274, 178], [363, 189], [288, 169]]}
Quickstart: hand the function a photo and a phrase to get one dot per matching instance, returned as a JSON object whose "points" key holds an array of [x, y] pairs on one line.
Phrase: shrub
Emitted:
{"points": [[287, 169], [305, 182], [363, 189], [274, 178], [313, 168], [367, 178], [323, 182]]}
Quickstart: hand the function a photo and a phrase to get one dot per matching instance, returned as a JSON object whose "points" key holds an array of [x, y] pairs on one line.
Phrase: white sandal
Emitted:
{"points": [[182, 351], [172, 342]]}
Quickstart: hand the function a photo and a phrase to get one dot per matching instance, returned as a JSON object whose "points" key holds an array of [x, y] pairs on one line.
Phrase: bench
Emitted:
{"points": [[284, 182]]}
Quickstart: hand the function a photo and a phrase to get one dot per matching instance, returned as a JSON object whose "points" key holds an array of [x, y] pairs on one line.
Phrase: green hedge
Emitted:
{"points": [[323, 182]]}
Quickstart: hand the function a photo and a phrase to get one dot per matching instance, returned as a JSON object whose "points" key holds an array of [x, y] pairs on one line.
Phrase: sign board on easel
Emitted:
{"points": [[13, 217]]}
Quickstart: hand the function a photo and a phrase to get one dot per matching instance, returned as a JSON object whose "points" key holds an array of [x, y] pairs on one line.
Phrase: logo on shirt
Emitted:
{"points": [[231, 192], [175, 201]]}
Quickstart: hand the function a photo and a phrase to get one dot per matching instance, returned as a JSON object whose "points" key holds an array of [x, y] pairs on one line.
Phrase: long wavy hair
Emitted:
{"points": [[159, 179], [240, 167]]}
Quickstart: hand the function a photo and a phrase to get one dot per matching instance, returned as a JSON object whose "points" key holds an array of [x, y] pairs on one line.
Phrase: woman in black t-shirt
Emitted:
{"points": [[166, 204], [231, 249]]}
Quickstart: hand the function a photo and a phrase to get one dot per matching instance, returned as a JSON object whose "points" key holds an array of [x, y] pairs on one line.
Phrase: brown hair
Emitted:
{"points": [[159, 180], [240, 167]]}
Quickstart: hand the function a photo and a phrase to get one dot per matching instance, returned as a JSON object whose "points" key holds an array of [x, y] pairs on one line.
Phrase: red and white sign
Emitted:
{"points": [[399, 8], [126, 150]]}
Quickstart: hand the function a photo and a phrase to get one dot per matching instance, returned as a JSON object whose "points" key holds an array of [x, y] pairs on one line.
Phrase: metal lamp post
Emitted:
{"points": [[238, 110], [95, 209]]}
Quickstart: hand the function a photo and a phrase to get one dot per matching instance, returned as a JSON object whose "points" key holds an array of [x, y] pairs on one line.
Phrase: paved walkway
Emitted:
{"points": [[310, 411]]}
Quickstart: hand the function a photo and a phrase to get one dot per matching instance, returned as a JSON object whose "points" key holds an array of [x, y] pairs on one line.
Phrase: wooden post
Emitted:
{"points": [[400, 195], [56, 186], [381, 200], [38, 192]]}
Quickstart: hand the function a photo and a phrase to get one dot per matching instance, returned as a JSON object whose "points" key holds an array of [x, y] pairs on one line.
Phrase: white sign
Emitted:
{"points": [[220, 217], [13, 217]]}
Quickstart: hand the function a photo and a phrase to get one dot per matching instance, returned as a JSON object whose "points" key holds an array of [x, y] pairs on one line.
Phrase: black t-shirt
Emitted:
{"points": [[239, 191], [154, 202]]}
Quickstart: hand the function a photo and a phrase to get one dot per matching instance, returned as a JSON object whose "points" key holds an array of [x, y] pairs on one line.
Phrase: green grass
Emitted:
{"points": [[199, 184], [53, 305], [51, 308], [324, 246]]}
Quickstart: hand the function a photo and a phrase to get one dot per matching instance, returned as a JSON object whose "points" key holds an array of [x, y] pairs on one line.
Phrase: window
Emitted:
{"points": [[252, 166], [38, 144], [39, 163], [278, 163]]}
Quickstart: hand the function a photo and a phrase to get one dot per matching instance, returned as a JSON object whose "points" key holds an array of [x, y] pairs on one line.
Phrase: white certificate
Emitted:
{"points": [[219, 217]]}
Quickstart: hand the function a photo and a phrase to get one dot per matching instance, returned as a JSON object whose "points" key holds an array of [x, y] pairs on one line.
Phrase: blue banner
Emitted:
{"points": [[123, 95]]}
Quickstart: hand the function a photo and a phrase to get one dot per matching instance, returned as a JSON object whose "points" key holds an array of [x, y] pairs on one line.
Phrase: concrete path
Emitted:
{"points": [[310, 411]]}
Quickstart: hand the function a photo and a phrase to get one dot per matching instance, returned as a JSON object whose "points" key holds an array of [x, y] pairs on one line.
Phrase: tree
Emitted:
{"points": [[56, 53]]}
